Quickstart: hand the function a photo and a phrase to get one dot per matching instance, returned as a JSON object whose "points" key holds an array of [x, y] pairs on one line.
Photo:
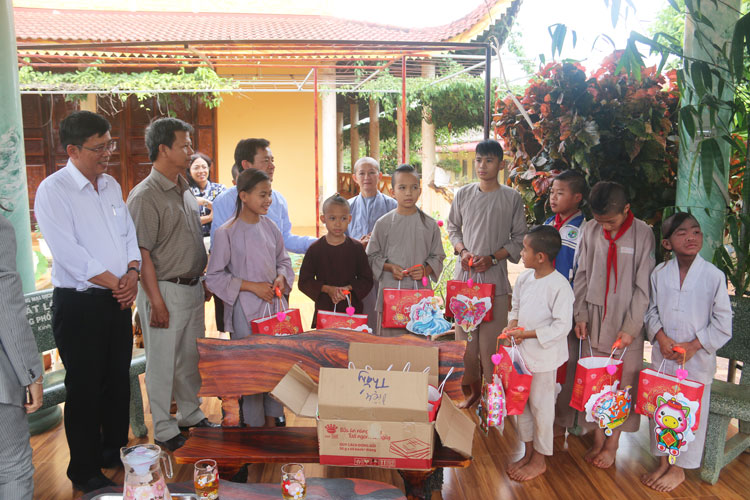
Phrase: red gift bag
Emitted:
{"points": [[515, 377], [562, 374], [397, 304], [592, 375], [283, 322], [654, 383], [477, 289], [333, 319]]}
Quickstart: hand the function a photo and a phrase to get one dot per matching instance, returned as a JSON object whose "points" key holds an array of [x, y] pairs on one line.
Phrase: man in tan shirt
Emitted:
{"points": [[171, 294]]}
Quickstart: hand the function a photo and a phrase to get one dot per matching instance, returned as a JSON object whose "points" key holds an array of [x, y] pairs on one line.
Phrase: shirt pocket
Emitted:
{"points": [[121, 219]]}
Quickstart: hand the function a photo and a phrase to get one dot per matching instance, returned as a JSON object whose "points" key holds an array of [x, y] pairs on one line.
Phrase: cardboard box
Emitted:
{"points": [[374, 417]]}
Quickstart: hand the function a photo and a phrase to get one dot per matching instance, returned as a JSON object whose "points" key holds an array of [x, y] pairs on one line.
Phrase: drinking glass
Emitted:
{"points": [[206, 480], [293, 482]]}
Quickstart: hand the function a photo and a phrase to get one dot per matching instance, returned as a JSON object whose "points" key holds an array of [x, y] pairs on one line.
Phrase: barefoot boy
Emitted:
{"points": [[335, 263], [543, 308], [565, 197], [486, 225], [615, 260]]}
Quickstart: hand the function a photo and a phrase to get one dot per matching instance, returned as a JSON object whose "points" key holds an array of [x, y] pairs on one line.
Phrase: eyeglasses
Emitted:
{"points": [[108, 147]]}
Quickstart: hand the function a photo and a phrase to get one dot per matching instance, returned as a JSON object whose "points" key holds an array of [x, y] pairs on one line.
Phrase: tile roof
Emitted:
{"points": [[33, 24]]}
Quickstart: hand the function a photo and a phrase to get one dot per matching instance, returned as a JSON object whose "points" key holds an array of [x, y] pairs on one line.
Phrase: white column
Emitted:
{"points": [[327, 136], [429, 197], [354, 131], [374, 129]]}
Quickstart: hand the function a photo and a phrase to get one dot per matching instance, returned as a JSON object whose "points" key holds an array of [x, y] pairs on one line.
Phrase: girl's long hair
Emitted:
{"points": [[246, 182], [405, 168]]}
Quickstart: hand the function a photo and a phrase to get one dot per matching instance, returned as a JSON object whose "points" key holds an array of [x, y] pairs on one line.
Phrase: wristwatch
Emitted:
{"points": [[494, 260], [133, 268]]}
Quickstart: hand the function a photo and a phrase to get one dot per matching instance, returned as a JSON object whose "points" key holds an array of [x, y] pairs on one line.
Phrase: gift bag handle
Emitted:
{"points": [[348, 302], [514, 351], [442, 384], [591, 350]]}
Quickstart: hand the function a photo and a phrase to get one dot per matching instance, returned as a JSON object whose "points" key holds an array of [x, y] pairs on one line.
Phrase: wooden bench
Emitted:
{"points": [[728, 401], [39, 314], [231, 368]]}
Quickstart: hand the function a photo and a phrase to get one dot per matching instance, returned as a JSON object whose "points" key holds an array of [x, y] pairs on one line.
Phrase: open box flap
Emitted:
{"points": [[456, 430], [298, 392], [381, 356]]}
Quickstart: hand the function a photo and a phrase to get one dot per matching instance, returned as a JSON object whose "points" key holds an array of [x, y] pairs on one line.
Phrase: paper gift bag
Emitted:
{"points": [[474, 290], [515, 377], [592, 374], [492, 404], [397, 304], [653, 384], [562, 374], [286, 322], [333, 319]]}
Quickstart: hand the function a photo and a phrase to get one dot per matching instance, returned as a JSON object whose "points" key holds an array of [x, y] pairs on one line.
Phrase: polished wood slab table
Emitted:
{"points": [[317, 489]]}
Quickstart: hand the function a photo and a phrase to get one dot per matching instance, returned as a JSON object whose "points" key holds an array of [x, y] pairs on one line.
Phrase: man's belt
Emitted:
{"points": [[99, 292], [185, 281]]}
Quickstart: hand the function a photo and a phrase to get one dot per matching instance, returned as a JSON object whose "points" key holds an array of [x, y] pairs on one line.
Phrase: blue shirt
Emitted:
{"points": [[570, 234], [225, 206], [366, 212]]}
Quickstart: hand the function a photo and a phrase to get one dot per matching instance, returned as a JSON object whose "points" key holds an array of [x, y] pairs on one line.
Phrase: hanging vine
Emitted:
{"points": [[143, 85]]}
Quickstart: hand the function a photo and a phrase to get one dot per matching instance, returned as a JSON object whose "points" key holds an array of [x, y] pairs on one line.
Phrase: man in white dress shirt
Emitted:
{"points": [[95, 271]]}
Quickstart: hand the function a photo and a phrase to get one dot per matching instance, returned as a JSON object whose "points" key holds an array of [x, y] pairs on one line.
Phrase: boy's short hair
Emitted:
{"points": [[246, 149], [404, 168], [489, 147], [365, 160], [608, 198], [163, 131], [235, 172], [335, 199], [575, 181], [546, 240], [78, 126]]}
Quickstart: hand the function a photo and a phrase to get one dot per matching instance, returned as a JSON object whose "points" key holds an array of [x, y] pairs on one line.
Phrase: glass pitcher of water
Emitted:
{"points": [[144, 477]]}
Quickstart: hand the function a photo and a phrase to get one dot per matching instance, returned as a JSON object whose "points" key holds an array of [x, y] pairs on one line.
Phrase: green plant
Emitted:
{"points": [[144, 85], [736, 267]]}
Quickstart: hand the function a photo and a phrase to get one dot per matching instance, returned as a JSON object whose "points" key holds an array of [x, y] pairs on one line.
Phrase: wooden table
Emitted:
{"points": [[317, 489]]}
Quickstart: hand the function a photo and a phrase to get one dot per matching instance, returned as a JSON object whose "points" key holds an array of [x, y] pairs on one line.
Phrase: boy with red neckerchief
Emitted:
{"points": [[566, 195], [615, 260]]}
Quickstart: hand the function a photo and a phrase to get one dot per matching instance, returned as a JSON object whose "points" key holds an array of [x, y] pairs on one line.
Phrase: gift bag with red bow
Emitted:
{"points": [[347, 320], [515, 377], [471, 289], [283, 322], [655, 384], [397, 304], [592, 374]]}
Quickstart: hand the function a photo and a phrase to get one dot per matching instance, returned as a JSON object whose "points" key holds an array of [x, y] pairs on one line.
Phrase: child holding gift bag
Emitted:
{"points": [[689, 310], [485, 226], [405, 245], [543, 308], [616, 257], [335, 263], [247, 263]]}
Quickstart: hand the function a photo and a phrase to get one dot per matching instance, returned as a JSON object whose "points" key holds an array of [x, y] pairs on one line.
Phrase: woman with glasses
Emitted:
{"points": [[203, 189]]}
